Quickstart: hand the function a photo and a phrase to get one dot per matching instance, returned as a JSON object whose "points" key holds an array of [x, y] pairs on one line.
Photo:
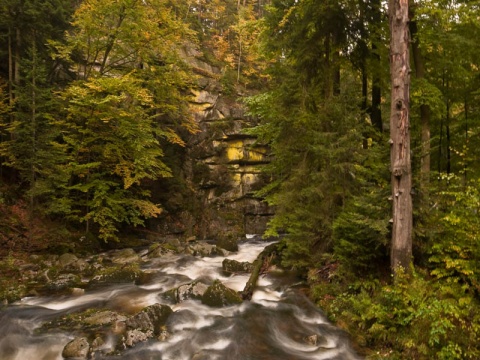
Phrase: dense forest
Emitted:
{"points": [[94, 114]]}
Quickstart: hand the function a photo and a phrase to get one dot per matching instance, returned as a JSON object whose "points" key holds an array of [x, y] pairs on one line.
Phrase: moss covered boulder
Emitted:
{"points": [[218, 295], [228, 242], [117, 274], [232, 266], [151, 319]]}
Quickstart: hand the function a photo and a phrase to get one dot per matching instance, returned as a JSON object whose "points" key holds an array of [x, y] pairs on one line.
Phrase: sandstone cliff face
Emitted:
{"points": [[225, 164], [222, 164]]}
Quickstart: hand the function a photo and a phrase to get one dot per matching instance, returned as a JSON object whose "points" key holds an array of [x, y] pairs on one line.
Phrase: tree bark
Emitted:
{"points": [[401, 177], [419, 62], [256, 272]]}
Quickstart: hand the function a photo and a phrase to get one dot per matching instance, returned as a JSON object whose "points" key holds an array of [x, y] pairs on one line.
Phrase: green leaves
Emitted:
{"points": [[126, 102]]}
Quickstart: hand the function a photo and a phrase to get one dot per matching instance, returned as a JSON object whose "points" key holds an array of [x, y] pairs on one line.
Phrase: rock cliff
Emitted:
{"points": [[221, 164]]}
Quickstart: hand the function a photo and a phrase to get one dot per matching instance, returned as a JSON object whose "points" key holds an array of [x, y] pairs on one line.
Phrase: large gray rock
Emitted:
{"points": [[125, 256], [203, 249], [78, 348], [117, 274], [63, 282], [233, 266], [135, 336], [228, 243], [218, 295], [151, 319], [104, 317], [66, 260], [193, 290]]}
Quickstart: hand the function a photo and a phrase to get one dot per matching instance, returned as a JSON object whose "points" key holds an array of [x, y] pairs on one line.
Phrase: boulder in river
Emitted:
{"points": [[125, 256], [135, 336], [218, 295], [151, 319], [234, 266], [117, 274], [78, 348], [192, 290], [63, 282], [228, 243], [202, 248], [104, 317]]}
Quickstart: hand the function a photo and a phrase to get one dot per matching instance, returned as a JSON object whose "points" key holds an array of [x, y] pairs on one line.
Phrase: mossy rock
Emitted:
{"points": [[12, 293], [117, 274], [228, 243], [150, 319], [159, 249], [78, 348], [125, 256], [232, 266], [64, 282], [218, 295], [192, 290]]}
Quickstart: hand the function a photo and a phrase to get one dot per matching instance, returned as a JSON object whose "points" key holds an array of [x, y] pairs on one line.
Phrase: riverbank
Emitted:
{"points": [[173, 299]]}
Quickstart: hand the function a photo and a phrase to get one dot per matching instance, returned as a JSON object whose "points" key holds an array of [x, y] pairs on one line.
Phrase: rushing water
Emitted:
{"points": [[279, 323]]}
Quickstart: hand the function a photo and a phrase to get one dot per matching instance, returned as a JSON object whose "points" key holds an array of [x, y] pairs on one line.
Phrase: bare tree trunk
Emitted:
{"points": [[18, 38], [401, 246], [424, 108], [10, 68]]}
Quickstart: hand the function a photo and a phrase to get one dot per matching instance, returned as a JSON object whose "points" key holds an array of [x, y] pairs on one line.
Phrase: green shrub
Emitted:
{"points": [[416, 318]]}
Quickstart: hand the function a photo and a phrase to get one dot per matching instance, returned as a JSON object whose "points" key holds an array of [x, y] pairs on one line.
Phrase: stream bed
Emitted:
{"points": [[279, 323]]}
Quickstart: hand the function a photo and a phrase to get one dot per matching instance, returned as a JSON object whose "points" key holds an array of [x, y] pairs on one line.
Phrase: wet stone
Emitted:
{"points": [[78, 348], [233, 266], [104, 317], [151, 319], [133, 337], [218, 295], [63, 281], [228, 243], [125, 256], [66, 260]]}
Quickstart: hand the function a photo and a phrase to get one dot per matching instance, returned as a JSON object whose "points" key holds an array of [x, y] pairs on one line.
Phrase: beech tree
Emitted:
{"points": [[125, 103], [401, 177]]}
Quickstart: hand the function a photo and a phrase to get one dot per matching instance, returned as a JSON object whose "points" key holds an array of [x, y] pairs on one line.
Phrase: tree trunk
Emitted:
{"points": [[376, 113], [401, 246], [419, 62]]}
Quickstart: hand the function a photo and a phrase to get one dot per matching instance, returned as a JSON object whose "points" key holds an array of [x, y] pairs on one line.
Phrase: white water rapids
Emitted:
{"points": [[274, 325]]}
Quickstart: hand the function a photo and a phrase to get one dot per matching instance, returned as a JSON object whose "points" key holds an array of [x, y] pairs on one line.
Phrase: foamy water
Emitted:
{"points": [[277, 324]]}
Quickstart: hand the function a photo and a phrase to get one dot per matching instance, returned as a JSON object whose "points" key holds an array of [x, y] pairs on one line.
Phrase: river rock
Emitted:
{"points": [[78, 348], [117, 274], [202, 249], [160, 249], [234, 266], [66, 260], [218, 295], [125, 256], [135, 336], [63, 281], [151, 319], [104, 317], [193, 290], [228, 243]]}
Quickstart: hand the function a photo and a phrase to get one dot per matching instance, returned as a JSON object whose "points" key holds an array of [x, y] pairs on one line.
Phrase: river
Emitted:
{"points": [[279, 323]]}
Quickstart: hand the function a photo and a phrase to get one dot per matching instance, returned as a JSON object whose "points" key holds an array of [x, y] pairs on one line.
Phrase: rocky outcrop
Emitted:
{"points": [[222, 164]]}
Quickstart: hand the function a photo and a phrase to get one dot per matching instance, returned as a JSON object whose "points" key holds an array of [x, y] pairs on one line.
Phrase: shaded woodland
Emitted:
{"points": [[94, 112]]}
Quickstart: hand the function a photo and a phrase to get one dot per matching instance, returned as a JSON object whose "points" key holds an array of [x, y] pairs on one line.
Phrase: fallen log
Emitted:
{"points": [[259, 266]]}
